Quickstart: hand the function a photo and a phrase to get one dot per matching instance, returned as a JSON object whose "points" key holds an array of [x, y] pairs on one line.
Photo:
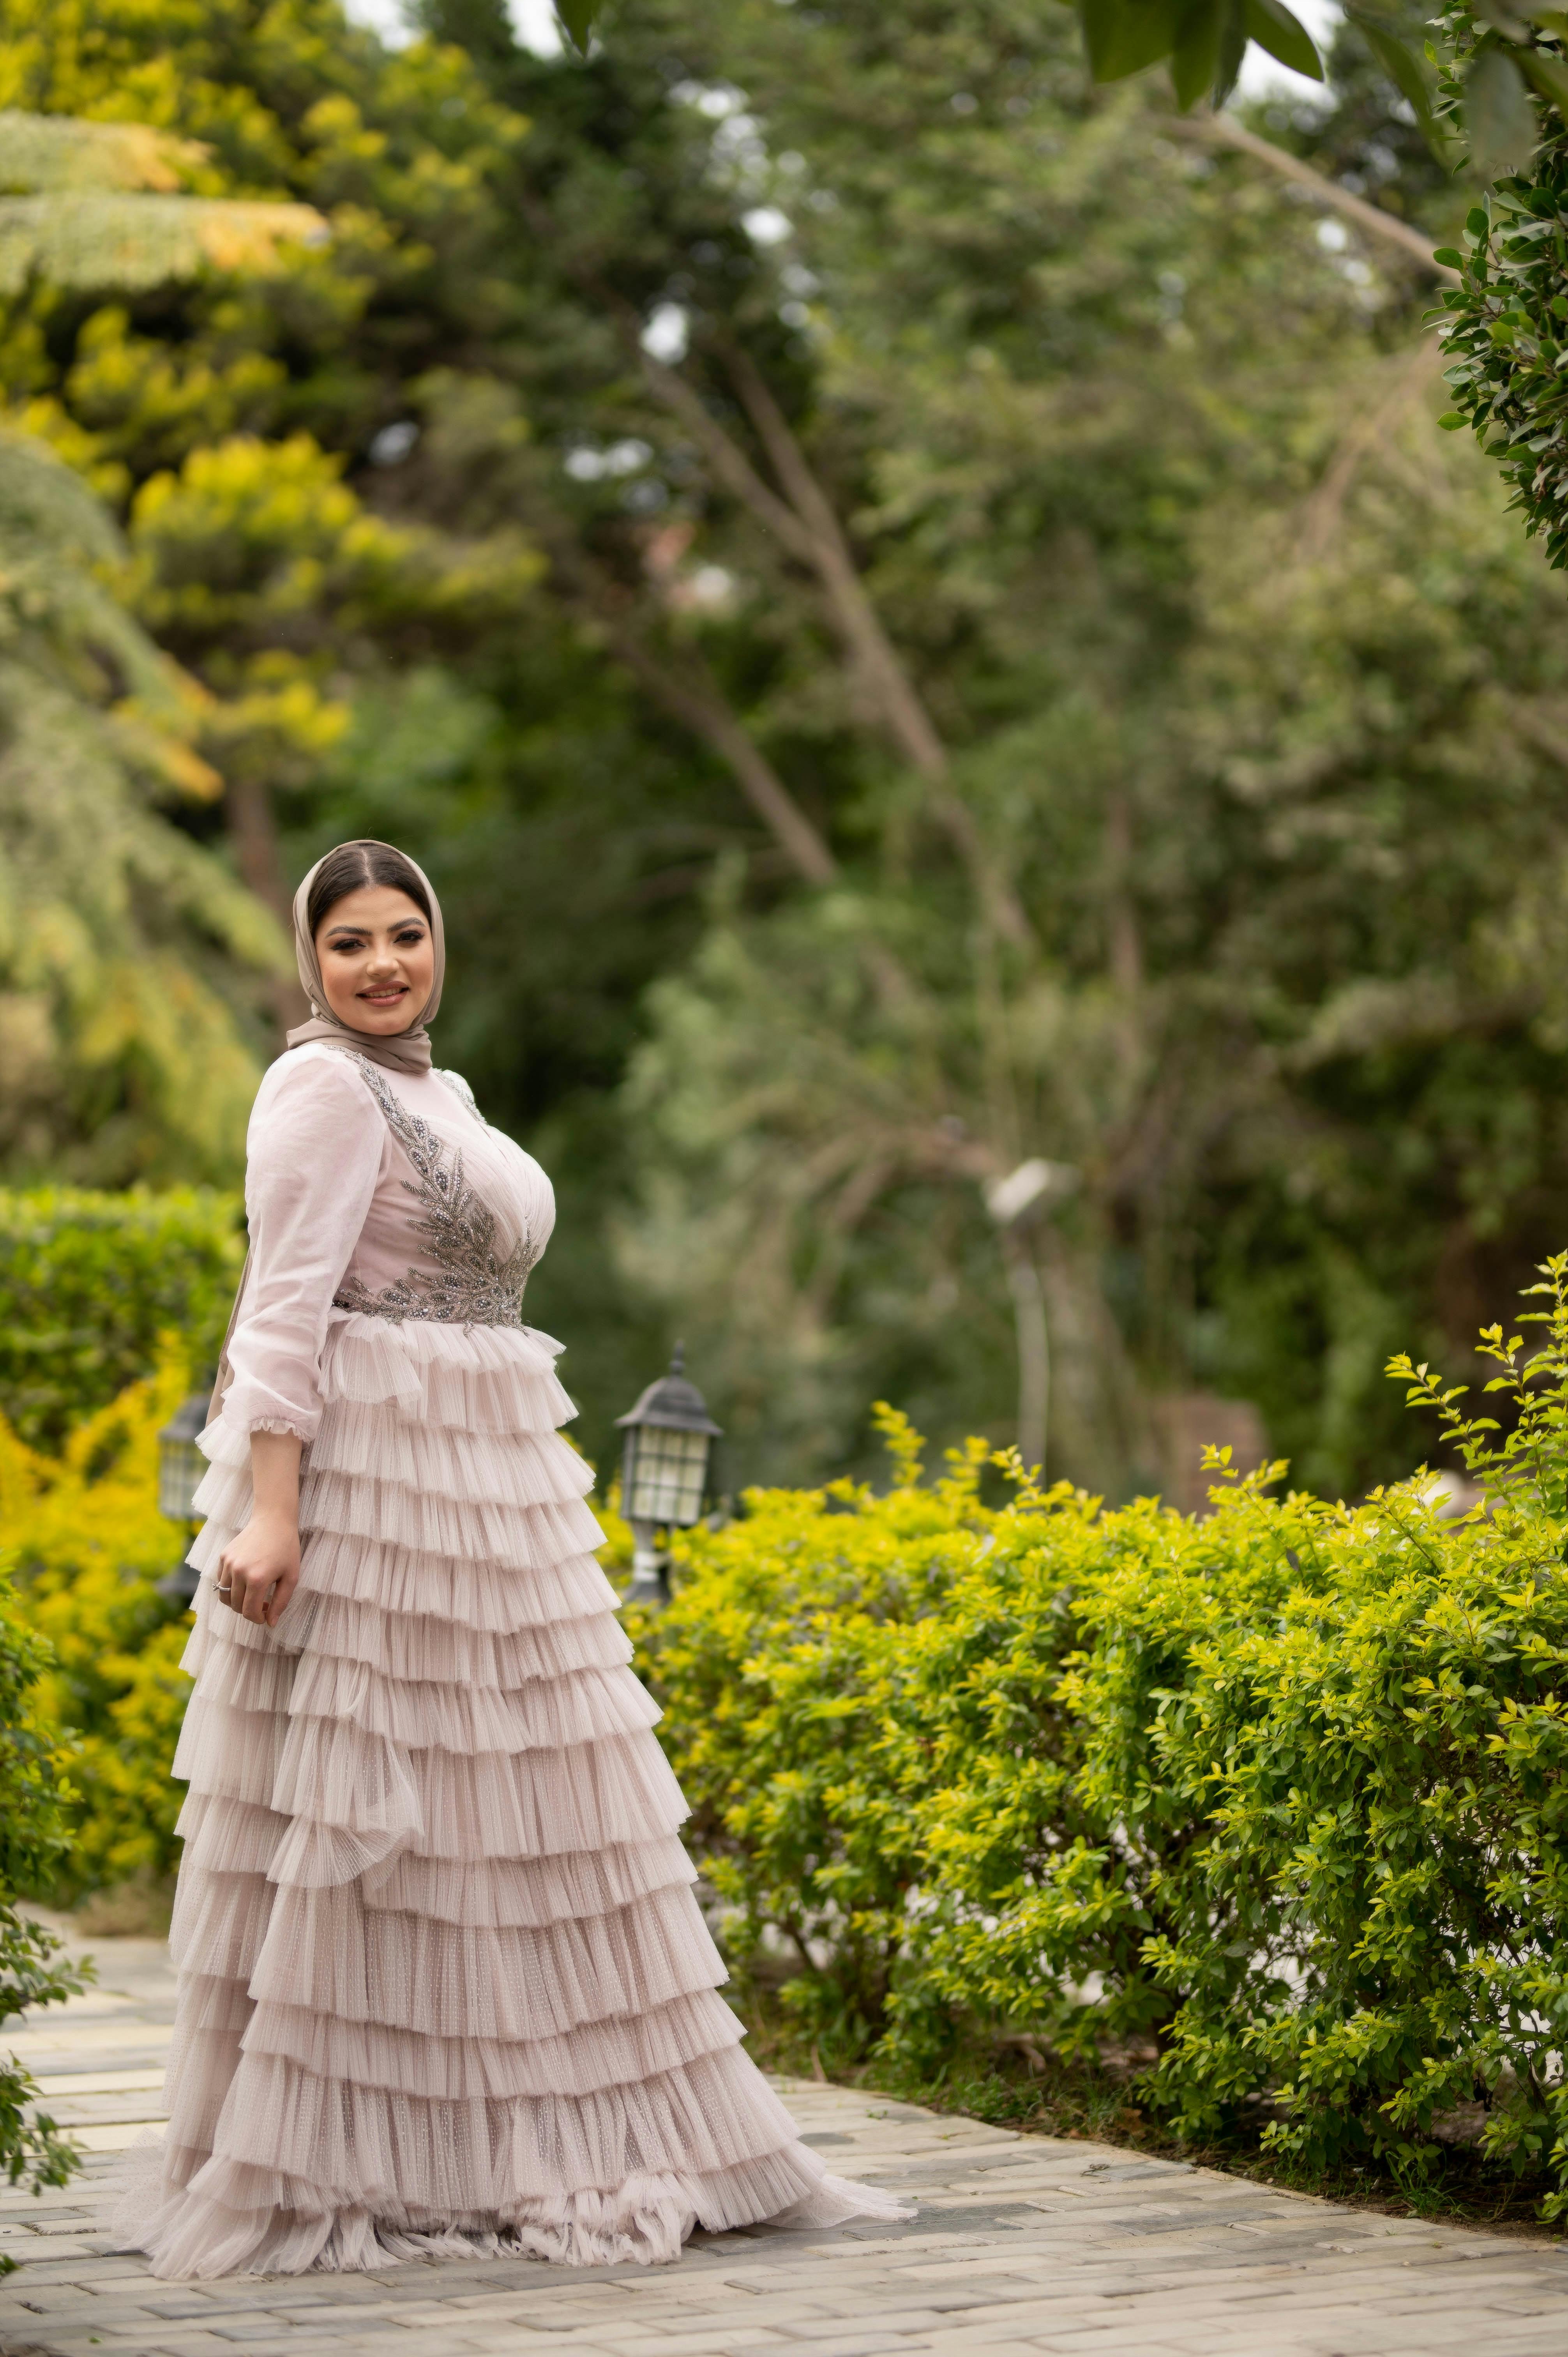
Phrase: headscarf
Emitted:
{"points": [[400, 1051]]}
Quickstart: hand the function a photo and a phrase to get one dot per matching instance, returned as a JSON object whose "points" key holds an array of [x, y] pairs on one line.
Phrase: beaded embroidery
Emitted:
{"points": [[470, 1286]]}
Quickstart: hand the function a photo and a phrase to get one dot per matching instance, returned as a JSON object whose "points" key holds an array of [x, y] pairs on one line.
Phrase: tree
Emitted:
{"points": [[121, 1058], [1008, 376]]}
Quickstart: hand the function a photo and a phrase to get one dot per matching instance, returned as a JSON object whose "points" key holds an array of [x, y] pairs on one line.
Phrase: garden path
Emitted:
{"points": [[1022, 2243]]}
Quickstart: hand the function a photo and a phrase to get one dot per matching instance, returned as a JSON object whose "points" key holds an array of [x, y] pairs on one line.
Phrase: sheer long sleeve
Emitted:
{"points": [[313, 1156]]}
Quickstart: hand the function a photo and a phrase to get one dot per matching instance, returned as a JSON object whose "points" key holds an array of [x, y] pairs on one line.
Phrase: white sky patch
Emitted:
{"points": [[586, 465], [1263, 77], [766, 225], [533, 21], [668, 333]]}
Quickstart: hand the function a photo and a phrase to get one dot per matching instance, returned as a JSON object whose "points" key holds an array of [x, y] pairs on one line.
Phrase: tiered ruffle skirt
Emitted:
{"points": [[443, 1983]]}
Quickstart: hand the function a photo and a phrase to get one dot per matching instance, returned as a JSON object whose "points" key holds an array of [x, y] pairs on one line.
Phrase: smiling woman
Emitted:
{"points": [[444, 1986], [373, 943]]}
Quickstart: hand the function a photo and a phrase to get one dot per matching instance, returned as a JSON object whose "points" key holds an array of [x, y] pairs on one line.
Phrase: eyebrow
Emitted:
{"points": [[401, 927]]}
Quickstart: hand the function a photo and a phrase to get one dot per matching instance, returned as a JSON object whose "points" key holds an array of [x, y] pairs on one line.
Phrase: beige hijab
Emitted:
{"points": [[400, 1051]]}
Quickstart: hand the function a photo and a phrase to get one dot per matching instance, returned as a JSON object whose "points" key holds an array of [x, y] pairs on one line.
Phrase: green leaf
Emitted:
{"points": [[1548, 76], [1271, 25], [1449, 256], [1405, 72], [1122, 37], [1232, 50], [1452, 422], [1194, 63], [1478, 222], [577, 21], [1498, 114]]}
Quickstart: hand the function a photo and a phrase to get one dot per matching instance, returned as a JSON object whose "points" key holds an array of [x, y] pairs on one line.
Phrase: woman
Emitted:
{"points": [[443, 1983]]}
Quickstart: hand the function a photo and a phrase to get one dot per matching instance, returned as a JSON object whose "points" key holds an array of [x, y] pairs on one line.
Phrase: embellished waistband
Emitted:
{"points": [[441, 1300]]}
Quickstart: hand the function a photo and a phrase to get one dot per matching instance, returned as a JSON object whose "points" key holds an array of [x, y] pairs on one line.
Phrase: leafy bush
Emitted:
{"points": [[88, 1283], [1275, 1800], [32, 1837], [90, 1547]]}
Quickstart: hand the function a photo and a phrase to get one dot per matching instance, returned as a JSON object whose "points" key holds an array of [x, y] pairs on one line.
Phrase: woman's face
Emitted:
{"points": [[378, 961]]}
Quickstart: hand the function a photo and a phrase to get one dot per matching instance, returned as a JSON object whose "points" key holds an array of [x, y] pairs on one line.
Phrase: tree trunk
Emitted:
{"points": [[253, 830]]}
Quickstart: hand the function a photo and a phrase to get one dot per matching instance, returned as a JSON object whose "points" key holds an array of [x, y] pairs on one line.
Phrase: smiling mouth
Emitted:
{"points": [[385, 997]]}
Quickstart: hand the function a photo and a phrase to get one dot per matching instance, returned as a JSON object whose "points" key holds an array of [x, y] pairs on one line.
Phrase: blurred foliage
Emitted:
{"points": [[121, 941], [1231, 669], [1269, 1805], [89, 1546], [91, 1284]]}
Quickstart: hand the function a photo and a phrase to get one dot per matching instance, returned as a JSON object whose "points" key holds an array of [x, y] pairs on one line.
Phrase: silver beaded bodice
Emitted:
{"points": [[470, 1284]]}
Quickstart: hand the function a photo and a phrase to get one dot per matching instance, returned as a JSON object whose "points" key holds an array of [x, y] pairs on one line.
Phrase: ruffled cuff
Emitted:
{"points": [[249, 1406]]}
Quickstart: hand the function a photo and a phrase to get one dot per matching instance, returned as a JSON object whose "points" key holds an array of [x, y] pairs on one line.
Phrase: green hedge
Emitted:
{"points": [[32, 1840], [1276, 1798], [88, 1283]]}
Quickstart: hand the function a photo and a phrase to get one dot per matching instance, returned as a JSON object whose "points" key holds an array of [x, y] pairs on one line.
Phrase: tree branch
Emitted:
{"points": [[694, 701], [689, 695], [806, 525], [1223, 131], [859, 625]]}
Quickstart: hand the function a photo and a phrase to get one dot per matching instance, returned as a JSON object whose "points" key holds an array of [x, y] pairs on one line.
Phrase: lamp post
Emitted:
{"points": [[1015, 1203], [181, 1468], [670, 1437]]}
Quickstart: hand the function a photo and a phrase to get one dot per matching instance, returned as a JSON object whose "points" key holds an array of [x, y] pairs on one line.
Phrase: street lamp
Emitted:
{"points": [[1016, 1203], [670, 1437], [181, 1468]]}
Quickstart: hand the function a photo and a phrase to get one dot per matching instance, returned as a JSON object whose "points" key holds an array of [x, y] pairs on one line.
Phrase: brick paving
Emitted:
{"points": [[1022, 2243]]}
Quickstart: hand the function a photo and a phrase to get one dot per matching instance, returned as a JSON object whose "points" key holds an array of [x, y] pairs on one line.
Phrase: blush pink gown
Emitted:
{"points": [[443, 1983]]}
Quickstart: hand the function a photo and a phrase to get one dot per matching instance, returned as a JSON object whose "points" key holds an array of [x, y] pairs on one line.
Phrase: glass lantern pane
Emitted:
{"points": [[181, 1468], [669, 1474]]}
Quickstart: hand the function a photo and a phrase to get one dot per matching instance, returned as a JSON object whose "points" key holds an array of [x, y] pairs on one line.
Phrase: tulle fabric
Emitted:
{"points": [[443, 1983]]}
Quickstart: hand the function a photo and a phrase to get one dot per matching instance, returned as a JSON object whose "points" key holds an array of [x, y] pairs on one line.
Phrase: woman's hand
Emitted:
{"points": [[258, 1571]]}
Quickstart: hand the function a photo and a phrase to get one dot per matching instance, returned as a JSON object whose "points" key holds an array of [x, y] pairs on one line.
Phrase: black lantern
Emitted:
{"points": [[665, 1473], [181, 1468]]}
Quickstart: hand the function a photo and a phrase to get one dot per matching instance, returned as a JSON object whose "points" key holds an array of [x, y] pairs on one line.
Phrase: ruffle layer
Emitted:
{"points": [[524, 1537], [479, 1595], [419, 1647], [519, 1538], [324, 1949], [328, 1949], [469, 1380], [224, 2225], [330, 1778], [370, 2147], [460, 2070], [521, 1469], [235, 1837], [547, 1715], [529, 1891], [472, 1379]]}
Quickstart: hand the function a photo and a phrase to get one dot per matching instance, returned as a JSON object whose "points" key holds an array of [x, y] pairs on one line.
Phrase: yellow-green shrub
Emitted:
{"points": [[1283, 1791], [91, 1282], [89, 1545]]}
